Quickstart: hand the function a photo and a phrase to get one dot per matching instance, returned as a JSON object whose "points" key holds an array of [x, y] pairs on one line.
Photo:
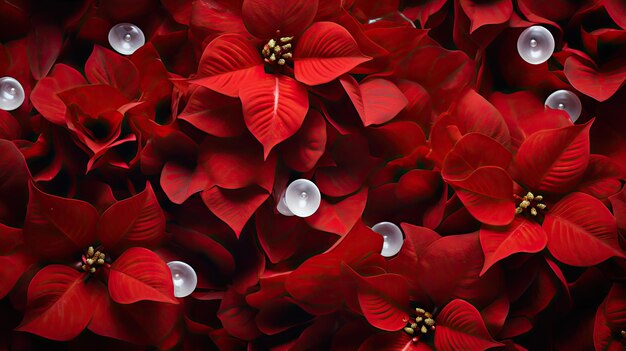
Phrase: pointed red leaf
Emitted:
{"points": [[43, 45], [179, 182], [264, 17], [599, 83], [229, 62], [522, 235], [324, 52], [393, 342], [57, 227], [605, 339], [14, 178], [302, 151], [615, 306], [554, 160], [487, 194], [481, 13], [136, 221], [214, 113], [279, 236], [274, 108], [469, 154], [376, 100], [44, 95], [11, 269], [581, 231], [601, 178], [618, 203], [139, 274], [60, 303], [617, 11], [460, 327], [340, 217], [237, 317], [107, 67], [384, 299], [234, 206]]}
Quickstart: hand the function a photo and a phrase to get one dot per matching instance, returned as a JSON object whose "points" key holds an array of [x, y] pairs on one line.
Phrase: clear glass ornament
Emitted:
{"points": [[392, 236], [535, 45], [126, 38], [184, 278], [11, 94], [301, 198], [567, 101]]}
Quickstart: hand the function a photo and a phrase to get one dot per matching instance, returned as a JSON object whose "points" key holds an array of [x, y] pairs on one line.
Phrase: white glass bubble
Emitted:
{"points": [[301, 198], [535, 45], [392, 236], [125, 38], [11, 94], [567, 101], [184, 278]]}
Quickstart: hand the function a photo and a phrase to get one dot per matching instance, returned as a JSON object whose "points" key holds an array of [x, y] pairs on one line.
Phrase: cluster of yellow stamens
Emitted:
{"points": [[422, 323], [277, 51], [531, 202], [92, 259]]}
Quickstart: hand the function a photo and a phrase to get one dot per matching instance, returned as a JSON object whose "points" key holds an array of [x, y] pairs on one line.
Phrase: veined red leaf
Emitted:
{"points": [[487, 194], [136, 221], [599, 83], [393, 342], [214, 113], [581, 231], [384, 299], [234, 206], [274, 108], [481, 14], [179, 182], [340, 217], [43, 45], [139, 274], [56, 227], [601, 179], [521, 235], [324, 52], [376, 100], [618, 203], [11, 269], [615, 306], [107, 67], [60, 303], [461, 327], [229, 62], [264, 17], [302, 151], [237, 317], [44, 95], [605, 339], [469, 154], [554, 160], [617, 10], [279, 236]]}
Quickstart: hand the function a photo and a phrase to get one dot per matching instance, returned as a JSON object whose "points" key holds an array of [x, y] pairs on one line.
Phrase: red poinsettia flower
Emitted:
{"points": [[554, 205], [610, 323]]}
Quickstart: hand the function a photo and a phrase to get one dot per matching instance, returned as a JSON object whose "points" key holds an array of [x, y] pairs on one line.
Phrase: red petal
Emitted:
{"points": [[219, 16], [554, 160], [469, 154], [179, 183], [279, 236], [324, 52], [271, 317], [340, 217], [603, 337], [618, 203], [44, 95], [14, 177], [139, 274], [136, 221], [393, 342], [214, 113], [10, 128], [107, 67], [236, 163], [460, 327], [521, 235], [234, 206], [60, 303], [599, 83], [43, 45], [581, 231], [302, 151], [493, 12], [57, 227], [237, 317], [264, 17], [488, 195], [615, 306], [384, 299], [11, 269], [376, 100], [617, 11], [229, 62], [274, 108], [601, 179]]}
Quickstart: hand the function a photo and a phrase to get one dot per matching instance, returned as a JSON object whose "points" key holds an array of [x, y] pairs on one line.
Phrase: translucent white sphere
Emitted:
{"points": [[125, 38], [392, 236], [184, 278], [535, 45], [567, 101], [301, 198], [11, 94]]}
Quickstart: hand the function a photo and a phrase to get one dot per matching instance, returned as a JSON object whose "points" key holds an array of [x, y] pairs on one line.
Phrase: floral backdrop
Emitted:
{"points": [[419, 112]]}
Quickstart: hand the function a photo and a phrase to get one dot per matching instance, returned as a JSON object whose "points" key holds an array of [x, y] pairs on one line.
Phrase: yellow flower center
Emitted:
{"points": [[92, 260], [530, 204], [278, 50], [421, 324]]}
